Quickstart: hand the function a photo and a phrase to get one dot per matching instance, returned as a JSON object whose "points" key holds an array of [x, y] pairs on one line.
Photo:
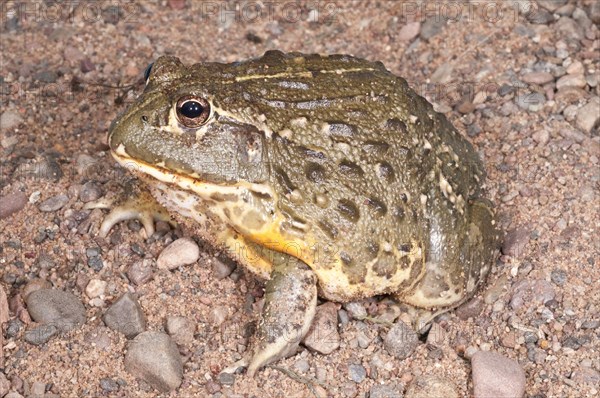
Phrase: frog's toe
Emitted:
{"points": [[142, 207], [290, 305]]}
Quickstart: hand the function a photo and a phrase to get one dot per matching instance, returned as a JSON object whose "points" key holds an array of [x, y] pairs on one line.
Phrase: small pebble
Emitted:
{"points": [[432, 386], [54, 203], [90, 191], [571, 81], [95, 288], [35, 284], [586, 375], [140, 272], [532, 102], [41, 334], [401, 340], [95, 263], [588, 116], [496, 290], [218, 315], [85, 165], [531, 293], [443, 74], [551, 5], [470, 309], [591, 324], [9, 120], [356, 310], [86, 65], [13, 327], [181, 329], [540, 17], [109, 385], [558, 276], [183, 251], [56, 307], [385, 391], [539, 78], [154, 358], [323, 336], [302, 366], [497, 376], [409, 31], [222, 268], [343, 317], [11, 204], [125, 316], [227, 379], [4, 385], [432, 26], [357, 372], [515, 241]]}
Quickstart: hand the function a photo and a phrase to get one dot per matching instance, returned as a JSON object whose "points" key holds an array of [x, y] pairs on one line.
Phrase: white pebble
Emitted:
{"points": [[183, 251]]}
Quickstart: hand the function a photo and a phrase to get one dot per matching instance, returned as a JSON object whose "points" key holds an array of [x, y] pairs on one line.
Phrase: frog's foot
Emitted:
{"points": [[290, 305], [136, 205], [421, 318]]}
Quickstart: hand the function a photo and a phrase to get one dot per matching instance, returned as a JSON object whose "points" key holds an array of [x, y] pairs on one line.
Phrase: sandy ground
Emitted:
{"points": [[63, 74]]}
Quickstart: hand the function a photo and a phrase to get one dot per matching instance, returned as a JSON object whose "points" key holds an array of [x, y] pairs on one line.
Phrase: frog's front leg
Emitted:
{"points": [[290, 305], [136, 203]]}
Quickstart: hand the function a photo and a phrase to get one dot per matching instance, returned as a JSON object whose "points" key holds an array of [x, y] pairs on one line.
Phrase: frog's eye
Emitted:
{"points": [[147, 72], [192, 111]]}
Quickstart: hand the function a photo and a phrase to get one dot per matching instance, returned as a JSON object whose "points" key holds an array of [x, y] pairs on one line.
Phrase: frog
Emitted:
{"points": [[326, 176]]}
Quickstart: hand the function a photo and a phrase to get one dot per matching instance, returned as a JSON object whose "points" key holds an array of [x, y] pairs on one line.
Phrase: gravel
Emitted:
{"points": [[541, 162]]}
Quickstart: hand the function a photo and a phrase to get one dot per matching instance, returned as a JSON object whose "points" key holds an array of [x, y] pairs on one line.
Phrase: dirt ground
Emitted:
{"points": [[519, 78]]}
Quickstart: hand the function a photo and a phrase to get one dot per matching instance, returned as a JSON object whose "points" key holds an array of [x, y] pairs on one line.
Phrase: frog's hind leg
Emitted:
{"points": [[480, 249], [455, 271], [290, 305]]}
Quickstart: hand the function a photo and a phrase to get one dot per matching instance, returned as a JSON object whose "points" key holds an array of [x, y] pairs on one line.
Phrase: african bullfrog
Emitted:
{"points": [[325, 175]]}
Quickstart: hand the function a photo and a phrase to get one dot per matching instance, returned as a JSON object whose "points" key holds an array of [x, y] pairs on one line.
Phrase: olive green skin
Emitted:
{"points": [[350, 152]]}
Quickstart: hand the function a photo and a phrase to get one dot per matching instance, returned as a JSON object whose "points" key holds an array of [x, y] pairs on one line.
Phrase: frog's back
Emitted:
{"points": [[368, 176]]}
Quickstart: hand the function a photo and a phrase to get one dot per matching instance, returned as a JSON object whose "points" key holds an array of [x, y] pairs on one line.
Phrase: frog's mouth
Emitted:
{"points": [[187, 181]]}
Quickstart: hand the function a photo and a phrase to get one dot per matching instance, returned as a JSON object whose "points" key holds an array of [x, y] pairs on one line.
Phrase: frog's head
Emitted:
{"points": [[175, 129]]}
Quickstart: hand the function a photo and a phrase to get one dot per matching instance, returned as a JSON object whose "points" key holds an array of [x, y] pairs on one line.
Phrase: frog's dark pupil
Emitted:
{"points": [[192, 109], [147, 71]]}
